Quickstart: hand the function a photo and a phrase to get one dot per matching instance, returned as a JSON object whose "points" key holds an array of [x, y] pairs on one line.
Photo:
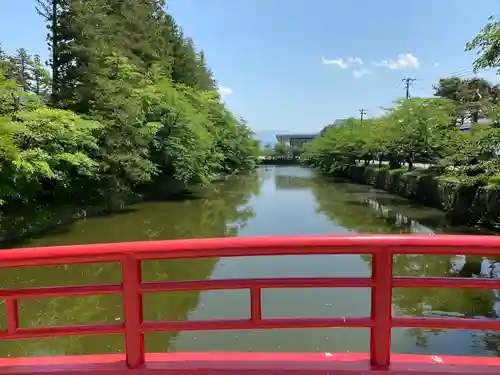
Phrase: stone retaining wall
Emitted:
{"points": [[463, 204]]}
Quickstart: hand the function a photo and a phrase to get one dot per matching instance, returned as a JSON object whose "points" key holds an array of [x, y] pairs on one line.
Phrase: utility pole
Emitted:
{"points": [[408, 82], [362, 113]]}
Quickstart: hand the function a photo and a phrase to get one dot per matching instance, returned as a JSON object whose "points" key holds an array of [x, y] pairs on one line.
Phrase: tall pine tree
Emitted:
{"points": [[58, 19], [21, 73], [40, 77]]}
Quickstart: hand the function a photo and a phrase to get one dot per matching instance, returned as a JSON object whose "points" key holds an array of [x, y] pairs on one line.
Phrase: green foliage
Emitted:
{"points": [[281, 150], [420, 127], [135, 102], [21, 61], [44, 151], [40, 77], [494, 180], [487, 46], [415, 130], [472, 96], [411, 130]]}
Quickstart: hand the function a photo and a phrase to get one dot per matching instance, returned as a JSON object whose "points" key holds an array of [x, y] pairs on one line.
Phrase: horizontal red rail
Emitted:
{"points": [[251, 246], [60, 291], [306, 282], [77, 330], [446, 323], [442, 282], [231, 284], [244, 324], [130, 255]]}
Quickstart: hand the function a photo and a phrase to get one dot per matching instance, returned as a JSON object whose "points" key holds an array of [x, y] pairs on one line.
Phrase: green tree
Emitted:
{"points": [[56, 14], [21, 72], [40, 77], [412, 128], [137, 106], [13, 99], [6, 66], [471, 96], [282, 150], [487, 46], [421, 127]]}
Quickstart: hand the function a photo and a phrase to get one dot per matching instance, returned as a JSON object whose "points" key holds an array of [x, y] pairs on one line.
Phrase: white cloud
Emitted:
{"points": [[224, 92], [339, 62], [404, 61], [359, 73], [435, 64], [355, 60], [343, 63]]}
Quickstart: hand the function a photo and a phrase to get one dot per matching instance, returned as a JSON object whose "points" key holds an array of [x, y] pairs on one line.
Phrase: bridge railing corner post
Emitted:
{"points": [[381, 308], [133, 311]]}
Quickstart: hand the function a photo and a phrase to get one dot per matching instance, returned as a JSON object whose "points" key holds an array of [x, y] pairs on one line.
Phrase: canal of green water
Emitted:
{"points": [[284, 200]]}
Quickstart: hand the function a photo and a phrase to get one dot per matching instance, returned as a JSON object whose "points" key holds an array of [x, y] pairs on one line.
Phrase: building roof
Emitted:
{"points": [[297, 136]]}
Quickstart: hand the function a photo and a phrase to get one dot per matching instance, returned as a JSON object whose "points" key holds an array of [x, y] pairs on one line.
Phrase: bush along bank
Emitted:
{"points": [[129, 108]]}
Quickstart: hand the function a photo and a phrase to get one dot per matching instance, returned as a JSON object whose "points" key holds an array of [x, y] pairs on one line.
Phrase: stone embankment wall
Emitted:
{"points": [[463, 204]]}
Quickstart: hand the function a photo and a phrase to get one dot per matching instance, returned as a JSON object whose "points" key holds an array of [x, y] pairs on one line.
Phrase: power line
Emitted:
{"points": [[408, 82], [461, 71], [362, 113], [465, 72]]}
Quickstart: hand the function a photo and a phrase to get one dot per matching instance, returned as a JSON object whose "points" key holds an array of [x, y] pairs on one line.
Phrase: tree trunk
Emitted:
{"points": [[394, 162], [409, 160], [55, 68]]}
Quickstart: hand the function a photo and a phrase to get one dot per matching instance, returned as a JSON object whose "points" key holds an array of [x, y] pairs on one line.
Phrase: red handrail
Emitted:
{"points": [[129, 255]]}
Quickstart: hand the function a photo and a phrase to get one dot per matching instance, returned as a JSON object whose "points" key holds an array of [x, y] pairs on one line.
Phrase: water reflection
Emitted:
{"points": [[444, 302], [218, 211], [367, 210], [97, 309], [287, 182], [272, 201]]}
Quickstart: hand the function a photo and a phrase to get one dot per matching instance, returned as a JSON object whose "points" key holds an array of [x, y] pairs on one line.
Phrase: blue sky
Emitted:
{"points": [[297, 65]]}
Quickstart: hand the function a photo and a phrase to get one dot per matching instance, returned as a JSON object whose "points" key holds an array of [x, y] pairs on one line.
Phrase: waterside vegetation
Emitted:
{"points": [[125, 108]]}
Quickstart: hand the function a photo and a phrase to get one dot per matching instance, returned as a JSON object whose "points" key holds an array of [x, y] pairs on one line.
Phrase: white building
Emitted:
{"points": [[295, 140]]}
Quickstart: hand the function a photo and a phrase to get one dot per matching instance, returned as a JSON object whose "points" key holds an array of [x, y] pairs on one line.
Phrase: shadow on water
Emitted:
{"points": [[271, 201], [220, 210]]}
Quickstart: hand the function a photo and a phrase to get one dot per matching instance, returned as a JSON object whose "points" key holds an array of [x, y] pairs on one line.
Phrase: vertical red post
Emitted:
{"points": [[12, 312], [381, 313], [133, 311], [255, 305]]}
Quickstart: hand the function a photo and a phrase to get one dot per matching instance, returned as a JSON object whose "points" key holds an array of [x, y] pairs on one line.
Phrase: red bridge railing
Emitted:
{"points": [[130, 255]]}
